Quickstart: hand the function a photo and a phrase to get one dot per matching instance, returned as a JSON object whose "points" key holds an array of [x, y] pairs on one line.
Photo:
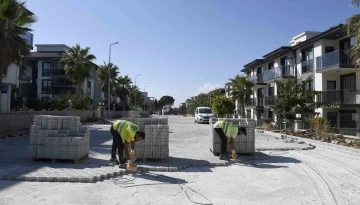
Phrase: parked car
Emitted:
{"points": [[203, 114]]}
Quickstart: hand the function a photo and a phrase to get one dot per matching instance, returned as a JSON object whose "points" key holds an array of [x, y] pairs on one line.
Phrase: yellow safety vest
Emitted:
{"points": [[227, 127], [126, 129]]}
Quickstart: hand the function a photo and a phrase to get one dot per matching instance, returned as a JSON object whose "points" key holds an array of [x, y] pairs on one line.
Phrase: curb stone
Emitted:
{"points": [[107, 175]]}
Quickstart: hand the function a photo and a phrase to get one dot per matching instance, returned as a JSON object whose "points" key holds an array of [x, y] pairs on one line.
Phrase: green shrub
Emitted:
{"points": [[320, 125], [265, 120]]}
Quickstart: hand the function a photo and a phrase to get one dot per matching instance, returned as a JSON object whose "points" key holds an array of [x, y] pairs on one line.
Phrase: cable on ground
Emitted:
{"points": [[123, 181]]}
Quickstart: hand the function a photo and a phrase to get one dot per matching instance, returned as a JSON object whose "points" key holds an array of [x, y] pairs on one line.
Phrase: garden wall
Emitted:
{"points": [[16, 121]]}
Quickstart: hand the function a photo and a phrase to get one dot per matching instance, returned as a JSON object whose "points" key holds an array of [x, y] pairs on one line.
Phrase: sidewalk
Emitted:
{"points": [[187, 148]]}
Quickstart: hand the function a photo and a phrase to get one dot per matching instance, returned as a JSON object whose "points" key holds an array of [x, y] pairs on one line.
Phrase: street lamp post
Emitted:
{"points": [[135, 87], [109, 78], [144, 96]]}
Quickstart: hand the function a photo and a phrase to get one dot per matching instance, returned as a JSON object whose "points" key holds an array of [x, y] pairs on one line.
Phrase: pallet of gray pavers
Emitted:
{"points": [[243, 144], [156, 143], [142, 122], [58, 138]]}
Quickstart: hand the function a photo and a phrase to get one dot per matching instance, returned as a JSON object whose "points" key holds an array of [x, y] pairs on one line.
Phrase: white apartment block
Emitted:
{"points": [[49, 78], [322, 55]]}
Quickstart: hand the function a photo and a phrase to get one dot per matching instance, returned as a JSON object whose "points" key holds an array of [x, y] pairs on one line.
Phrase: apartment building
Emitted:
{"points": [[15, 77], [322, 55], [48, 76]]}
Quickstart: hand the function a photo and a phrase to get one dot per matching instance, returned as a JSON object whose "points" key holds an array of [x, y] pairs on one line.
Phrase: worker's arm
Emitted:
{"points": [[127, 142], [127, 155], [133, 144], [232, 143]]}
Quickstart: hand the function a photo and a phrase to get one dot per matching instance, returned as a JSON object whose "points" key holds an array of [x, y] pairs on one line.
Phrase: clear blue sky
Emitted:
{"points": [[181, 47]]}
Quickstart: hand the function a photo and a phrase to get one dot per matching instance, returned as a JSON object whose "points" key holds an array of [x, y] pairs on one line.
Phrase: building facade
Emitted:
{"points": [[48, 76], [324, 57]]}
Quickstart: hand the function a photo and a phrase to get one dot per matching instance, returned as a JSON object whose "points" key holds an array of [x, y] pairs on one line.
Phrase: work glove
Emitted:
{"points": [[132, 153], [233, 154]]}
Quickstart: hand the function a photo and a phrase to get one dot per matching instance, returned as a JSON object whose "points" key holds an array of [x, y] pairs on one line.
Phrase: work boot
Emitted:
{"points": [[114, 161], [223, 157], [123, 163]]}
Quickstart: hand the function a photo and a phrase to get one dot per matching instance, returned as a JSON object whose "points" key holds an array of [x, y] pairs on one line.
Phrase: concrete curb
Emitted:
{"points": [[105, 176]]}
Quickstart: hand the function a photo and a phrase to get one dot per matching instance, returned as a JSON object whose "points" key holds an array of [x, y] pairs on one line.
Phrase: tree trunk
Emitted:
{"points": [[1, 80], [86, 84]]}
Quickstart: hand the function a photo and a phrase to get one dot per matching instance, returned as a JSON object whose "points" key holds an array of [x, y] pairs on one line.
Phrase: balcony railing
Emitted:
{"points": [[348, 97], [252, 79], [260, 78], [307, 66], [46, 72], [255, 102], [270, 100], [259, 101], [57, 71], [63, 90], [335, 58], [250, 102], [278, 72]]}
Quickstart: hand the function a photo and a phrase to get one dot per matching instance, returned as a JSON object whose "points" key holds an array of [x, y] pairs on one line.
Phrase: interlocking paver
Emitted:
{"points": [[189, 146]]}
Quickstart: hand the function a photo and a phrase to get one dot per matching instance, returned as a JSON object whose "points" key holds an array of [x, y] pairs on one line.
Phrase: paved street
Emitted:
{"points": [[282, 173]]}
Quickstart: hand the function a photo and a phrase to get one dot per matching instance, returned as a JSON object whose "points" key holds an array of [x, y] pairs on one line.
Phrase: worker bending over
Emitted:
{"points": [[124, 133], [227, 130]]}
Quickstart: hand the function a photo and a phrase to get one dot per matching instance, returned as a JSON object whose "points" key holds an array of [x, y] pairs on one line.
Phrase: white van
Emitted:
{"points": [[203, 114]]}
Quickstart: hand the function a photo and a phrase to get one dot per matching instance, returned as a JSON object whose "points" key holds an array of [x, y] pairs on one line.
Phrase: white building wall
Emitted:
{"points": [[6, 99]]}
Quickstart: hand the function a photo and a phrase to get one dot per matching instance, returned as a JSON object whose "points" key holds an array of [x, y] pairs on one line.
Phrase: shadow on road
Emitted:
{"points": [[270, 162]]}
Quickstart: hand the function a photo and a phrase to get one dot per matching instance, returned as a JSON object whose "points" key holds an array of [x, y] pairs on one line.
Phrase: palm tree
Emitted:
{"points": [[14, 23], [103, 73], [78, 64], [241, 90], [122, 90], [134, 90], [353, 27]]}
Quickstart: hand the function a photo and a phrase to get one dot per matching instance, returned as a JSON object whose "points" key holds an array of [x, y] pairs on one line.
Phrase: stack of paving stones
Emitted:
{"points": [[243, 144], [58, 137], [134, 114], [156, 143], [142, 122]]}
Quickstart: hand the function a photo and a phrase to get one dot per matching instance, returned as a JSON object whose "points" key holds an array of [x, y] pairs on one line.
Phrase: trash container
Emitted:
{"points": [[243, 144]]}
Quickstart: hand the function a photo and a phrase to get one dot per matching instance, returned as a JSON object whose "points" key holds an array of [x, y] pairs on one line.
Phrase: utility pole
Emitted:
{"points": [[135, 87], [109, 78]]}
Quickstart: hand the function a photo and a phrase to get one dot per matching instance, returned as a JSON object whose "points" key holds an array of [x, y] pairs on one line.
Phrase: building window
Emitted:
{"points": [[270, 65], [46, 69], [271, 91], [271, 115], [310, 85], [89, 87], [46, 86], [308, 60], [56, 63]]}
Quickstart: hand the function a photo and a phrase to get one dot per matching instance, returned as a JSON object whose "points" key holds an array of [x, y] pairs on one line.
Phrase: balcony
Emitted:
{"points": [[62, 90], [259, 101], [270, 100], [257, 79], [333, 61], [57, 72], [344, 97], [277, 73], [307, 66], [250, 102]]}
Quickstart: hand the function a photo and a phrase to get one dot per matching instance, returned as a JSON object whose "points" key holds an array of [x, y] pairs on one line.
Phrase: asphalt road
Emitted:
{"points": [[325, 175]]}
